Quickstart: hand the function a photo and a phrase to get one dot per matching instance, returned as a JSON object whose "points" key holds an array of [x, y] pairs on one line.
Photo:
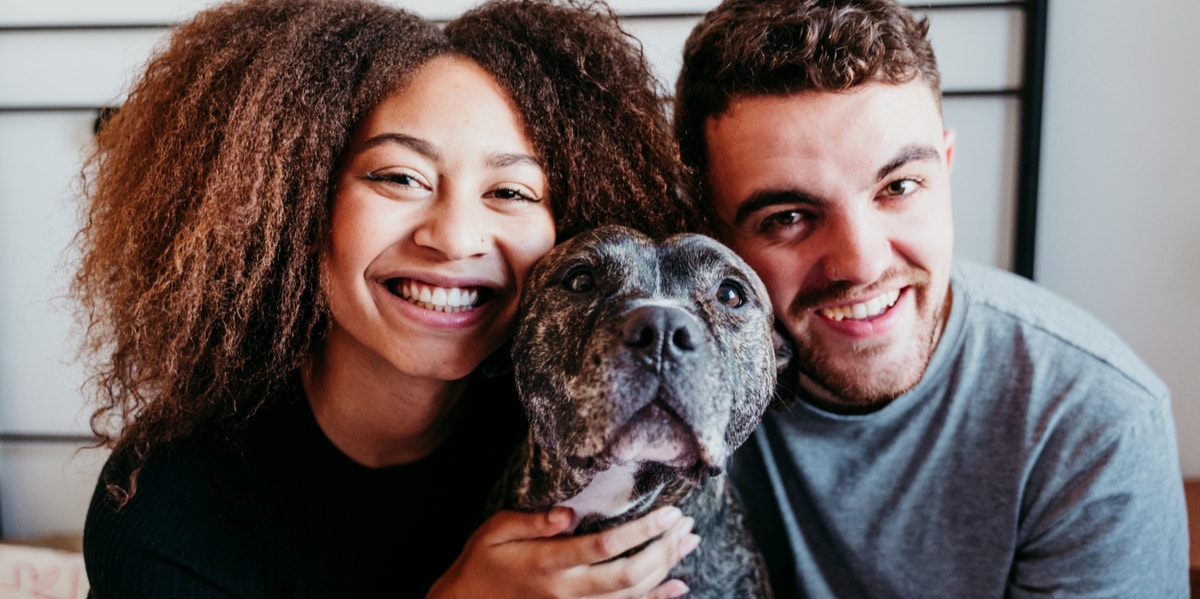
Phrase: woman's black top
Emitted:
{"points": [[276, 510]]}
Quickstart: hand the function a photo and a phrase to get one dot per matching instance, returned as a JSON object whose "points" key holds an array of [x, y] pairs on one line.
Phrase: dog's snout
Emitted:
{"points": [[655, 331]]}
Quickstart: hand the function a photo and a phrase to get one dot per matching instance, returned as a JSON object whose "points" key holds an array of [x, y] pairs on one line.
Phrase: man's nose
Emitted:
{"points": [[857, 250]]}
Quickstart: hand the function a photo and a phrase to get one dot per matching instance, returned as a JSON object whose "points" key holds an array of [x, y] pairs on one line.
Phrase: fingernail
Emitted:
{"points": [[688, 544], [680, 591], [669, 516]]}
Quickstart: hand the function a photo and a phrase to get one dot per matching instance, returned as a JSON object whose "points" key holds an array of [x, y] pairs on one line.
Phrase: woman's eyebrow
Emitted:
{"points": [[418, 145], [429, 150], [506, 159]]}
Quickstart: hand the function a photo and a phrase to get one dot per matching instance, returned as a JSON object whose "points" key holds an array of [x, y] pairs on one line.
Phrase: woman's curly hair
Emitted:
{"points": [[745, 48], [591, 107], [208, 196], [207, 204]]}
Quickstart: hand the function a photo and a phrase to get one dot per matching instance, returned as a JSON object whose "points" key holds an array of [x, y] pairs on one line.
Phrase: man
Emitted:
{"points": [[950, 430]]}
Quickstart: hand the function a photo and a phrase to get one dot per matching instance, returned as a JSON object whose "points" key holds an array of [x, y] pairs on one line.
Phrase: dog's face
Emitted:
{"points": [[653, 355]]}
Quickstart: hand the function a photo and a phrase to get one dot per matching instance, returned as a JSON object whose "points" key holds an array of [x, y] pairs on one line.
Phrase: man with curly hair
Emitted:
{"points": [[949, 430]]}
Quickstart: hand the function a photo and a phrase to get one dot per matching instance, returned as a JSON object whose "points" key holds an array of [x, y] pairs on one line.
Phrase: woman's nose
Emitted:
{"points": [[455, 227]]}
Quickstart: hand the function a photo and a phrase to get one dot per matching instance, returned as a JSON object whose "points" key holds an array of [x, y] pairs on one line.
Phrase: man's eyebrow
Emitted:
{"points": [[770, 197], [907, 154], [417, 144]]}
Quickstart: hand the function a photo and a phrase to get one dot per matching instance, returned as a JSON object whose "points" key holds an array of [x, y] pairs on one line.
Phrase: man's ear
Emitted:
{"points": [[948, 137]]}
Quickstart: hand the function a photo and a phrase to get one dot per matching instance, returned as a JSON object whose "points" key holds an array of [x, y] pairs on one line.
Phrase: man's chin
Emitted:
{"points": [[859, 385]]}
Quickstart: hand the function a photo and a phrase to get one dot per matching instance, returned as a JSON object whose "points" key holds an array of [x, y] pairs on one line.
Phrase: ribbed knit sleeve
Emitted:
{"points": [[181, 536]]}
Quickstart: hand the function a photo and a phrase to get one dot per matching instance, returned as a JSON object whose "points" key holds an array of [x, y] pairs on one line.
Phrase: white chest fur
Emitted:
{"points": [[610, 494]]}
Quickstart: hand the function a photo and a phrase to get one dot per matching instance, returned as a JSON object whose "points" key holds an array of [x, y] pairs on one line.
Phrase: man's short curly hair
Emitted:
{"points": [[746, 48]]}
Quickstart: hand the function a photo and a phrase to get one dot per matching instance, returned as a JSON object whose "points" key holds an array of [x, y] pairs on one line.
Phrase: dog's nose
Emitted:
{"points": [[658, 331]]}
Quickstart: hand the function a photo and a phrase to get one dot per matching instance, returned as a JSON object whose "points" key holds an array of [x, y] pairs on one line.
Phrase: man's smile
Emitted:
{"points": [[862, 310]]}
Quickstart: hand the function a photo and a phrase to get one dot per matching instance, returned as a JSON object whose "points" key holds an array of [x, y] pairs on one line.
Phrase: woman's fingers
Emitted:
{"points": [[575, 566], [509, 526], [643, 572], [603, 546]]}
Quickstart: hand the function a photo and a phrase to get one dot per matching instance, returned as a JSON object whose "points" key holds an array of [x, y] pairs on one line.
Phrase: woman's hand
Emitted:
{"points": [[518, 555]]}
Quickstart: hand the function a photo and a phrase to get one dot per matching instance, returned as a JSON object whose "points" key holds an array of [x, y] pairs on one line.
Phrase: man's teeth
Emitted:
{"points": [[440, 299], [874, 307]]}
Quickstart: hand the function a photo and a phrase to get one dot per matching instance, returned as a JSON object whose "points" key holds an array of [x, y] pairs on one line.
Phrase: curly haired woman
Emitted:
{"points": [[306, 234]]}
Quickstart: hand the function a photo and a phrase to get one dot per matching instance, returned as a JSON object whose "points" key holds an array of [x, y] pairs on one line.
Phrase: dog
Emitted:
{"points": [[641, 365]]}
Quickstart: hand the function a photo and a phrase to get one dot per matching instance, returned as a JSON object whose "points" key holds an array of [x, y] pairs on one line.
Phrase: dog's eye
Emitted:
{"points": [[579, 280], [730, 294]]}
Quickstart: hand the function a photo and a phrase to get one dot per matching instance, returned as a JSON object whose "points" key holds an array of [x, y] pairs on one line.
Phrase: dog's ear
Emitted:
{"points": [[783, 350]]}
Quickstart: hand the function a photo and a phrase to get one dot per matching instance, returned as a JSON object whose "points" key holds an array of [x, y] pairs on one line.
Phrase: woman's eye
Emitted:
{"points": [[507, 193], [579, 280], [900, 187], [401, 179], [730, 294]]}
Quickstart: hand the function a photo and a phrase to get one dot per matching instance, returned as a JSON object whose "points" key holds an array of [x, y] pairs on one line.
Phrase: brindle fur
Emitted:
{"points": [[580, 385]]}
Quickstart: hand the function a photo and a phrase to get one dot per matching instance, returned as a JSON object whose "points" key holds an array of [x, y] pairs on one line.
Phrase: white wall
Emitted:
{"points": [[1119, 194]]}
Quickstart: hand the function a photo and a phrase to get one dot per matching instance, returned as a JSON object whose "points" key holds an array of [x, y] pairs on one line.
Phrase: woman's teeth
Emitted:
{"points": [[439, 299], [874, 307]]}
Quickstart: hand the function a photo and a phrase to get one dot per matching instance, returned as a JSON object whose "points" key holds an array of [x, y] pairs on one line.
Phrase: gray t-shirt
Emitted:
{"points": [[1037, 457]]}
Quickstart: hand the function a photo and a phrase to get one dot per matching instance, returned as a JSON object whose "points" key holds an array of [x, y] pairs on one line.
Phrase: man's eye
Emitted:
{"points": [[781, 219], [900, 187]]}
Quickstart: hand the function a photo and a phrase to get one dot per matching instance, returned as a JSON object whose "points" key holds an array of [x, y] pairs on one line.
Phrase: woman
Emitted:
{"points": [[306, 234]]}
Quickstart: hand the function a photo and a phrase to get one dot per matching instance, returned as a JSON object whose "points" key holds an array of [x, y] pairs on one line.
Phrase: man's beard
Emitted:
{"points": [[859, 379]]}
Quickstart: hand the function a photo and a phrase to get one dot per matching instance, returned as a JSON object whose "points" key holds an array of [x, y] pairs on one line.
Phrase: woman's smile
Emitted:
{"points": [[438, 299]]}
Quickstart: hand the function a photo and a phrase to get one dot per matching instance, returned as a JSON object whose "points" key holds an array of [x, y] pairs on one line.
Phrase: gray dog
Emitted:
{"points": [[641, 366]]}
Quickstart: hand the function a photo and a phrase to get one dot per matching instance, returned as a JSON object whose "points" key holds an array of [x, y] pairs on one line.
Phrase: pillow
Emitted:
{"points": [[28, 572]]}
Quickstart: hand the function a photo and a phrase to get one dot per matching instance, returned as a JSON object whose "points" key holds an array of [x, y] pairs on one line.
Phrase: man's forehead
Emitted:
{"points": [[767, 150], [911, 96], [871, 123]]}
